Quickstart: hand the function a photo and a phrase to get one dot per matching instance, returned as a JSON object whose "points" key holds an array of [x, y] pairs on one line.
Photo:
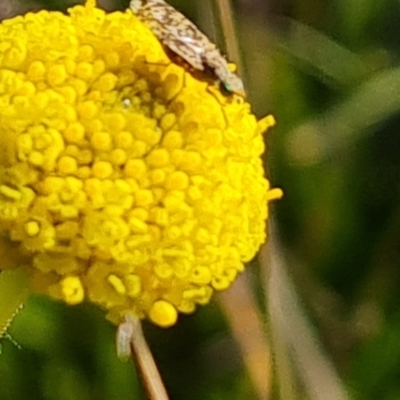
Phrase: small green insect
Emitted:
{"points": [[183, 37]]}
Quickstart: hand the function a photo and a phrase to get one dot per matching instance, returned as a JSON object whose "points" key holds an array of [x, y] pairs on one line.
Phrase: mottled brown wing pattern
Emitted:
{"points": [[171, 38], [181, 35]]}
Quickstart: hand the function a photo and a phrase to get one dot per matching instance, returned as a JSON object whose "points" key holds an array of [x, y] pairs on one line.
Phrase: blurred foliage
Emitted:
{"points": [[330, 73]]}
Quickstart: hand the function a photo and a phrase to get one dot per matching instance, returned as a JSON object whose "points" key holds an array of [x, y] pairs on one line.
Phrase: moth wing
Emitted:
{"points": [[136, 5], [176, 32], [190, 53]]}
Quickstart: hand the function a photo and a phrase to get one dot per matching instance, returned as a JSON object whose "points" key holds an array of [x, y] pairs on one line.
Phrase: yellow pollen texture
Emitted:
{"points": [[125, 180]]}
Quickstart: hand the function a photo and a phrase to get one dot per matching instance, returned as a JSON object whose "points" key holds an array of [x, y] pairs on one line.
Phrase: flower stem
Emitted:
{"points": [[14, 290], [228, 31], [145, 363], [248, 330]]}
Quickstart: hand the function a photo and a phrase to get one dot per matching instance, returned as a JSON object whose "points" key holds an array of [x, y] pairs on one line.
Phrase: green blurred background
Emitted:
{"points": [[329, 72]]}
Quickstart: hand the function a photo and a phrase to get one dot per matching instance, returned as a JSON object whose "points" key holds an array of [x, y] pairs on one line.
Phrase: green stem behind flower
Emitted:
{"points": [[14, 290]]}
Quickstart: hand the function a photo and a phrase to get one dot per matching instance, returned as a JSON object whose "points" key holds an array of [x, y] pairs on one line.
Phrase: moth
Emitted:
{"points": [[182, 36]]}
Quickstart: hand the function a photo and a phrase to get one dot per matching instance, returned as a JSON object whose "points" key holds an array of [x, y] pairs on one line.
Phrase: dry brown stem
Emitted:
{"points": [[145, 363]]}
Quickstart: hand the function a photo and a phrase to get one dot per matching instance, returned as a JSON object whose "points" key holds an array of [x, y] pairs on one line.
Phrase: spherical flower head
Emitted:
{"points": [[126, 179]]}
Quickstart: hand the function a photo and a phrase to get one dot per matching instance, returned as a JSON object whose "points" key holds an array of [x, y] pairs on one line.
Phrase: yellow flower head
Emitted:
{"points": [[125, 179]]}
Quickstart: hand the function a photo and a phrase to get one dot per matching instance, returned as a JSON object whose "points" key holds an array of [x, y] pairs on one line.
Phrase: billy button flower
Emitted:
{"points": [[125, 179]]}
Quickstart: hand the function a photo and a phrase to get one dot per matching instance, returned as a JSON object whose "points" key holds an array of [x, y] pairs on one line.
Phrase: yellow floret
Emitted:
{"points": [[125, 179], [72, 290], [32, 228], [163, 314]]}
